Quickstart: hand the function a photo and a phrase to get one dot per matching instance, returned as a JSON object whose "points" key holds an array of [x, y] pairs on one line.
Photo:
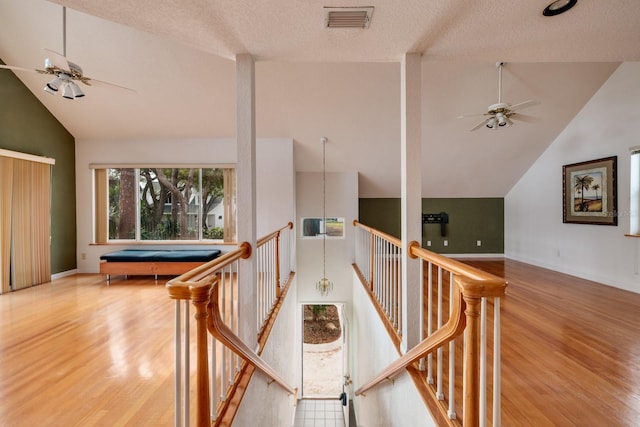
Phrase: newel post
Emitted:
{"points": [[471, 370], [472, 293], [200, 296]]}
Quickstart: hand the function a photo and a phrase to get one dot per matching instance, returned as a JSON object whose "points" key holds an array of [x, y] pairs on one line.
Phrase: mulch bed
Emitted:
{"points": [[322, 328]]}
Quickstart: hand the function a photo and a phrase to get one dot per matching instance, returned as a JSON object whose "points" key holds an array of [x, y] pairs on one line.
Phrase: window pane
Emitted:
{"points": [[169, 204], [122, 206], [213, 196]]}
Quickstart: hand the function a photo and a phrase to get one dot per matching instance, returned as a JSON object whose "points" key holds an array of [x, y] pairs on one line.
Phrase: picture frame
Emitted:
{"points": [[315, 228], [589, 192]]}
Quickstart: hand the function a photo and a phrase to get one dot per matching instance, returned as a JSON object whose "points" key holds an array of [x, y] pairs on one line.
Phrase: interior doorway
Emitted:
{"points": [[323, 347]]}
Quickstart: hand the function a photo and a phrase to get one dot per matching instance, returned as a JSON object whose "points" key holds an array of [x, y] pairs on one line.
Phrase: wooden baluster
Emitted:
{"points": [[200, 296], [278, 265], [372, 260]]}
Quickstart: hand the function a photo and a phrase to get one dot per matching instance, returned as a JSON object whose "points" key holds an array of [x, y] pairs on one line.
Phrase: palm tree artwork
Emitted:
{"points": [[582, 185]]}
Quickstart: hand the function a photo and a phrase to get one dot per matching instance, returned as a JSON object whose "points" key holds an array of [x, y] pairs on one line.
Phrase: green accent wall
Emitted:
{"points": [[28, 127], [470, 220]]}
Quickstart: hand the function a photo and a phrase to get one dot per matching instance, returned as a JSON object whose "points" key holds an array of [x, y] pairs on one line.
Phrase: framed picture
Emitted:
{"points": [[589, 192], [315, 228]]}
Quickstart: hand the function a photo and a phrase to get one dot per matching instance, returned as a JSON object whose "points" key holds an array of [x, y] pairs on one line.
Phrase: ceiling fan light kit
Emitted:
{"points": [[501, 113], [65, 73]]}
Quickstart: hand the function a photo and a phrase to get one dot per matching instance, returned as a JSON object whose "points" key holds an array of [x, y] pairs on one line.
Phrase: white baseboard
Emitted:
{"points": [[474, 255], [64, 274]]}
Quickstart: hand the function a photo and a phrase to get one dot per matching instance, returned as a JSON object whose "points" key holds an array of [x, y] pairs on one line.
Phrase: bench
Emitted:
{"points": [[155, 262]]}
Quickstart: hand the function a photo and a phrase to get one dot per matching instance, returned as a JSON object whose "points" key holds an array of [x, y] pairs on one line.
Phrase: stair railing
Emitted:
{"points": [[457, 300], [213, 290], [378, 257]]}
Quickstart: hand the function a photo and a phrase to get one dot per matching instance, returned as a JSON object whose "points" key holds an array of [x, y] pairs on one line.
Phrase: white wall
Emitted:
{"points": [[341, 201], [275, 187], [608, 125], [266, 403], [390, 404]]}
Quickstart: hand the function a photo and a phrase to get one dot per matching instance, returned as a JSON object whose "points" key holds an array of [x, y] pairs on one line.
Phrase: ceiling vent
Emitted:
{"points": [[347, 17]]}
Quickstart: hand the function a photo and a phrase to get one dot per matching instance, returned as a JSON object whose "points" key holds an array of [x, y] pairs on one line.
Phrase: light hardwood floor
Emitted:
{"points": [[570, 349], [78, 353]]}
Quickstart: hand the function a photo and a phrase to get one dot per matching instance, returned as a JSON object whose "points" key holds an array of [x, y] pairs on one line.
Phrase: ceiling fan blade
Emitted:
{"points": [[479, 125], [11, 67], [58, 60], [93, 82], [525, 104], [524, 118]]}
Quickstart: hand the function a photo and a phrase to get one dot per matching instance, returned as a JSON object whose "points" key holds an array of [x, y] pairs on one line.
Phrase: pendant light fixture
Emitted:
{"points": [[324, 285]]}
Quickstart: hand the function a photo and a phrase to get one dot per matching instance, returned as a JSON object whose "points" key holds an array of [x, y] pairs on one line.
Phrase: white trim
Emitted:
{"points": [[25, 156], [162, 165], [474, 255], [64, 274]]}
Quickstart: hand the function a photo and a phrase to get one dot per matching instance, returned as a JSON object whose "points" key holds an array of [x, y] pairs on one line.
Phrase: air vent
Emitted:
{"points": [[347, 17]]}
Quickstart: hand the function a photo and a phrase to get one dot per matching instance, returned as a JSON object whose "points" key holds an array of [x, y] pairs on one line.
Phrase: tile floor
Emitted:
{"points": [[319, 413]]}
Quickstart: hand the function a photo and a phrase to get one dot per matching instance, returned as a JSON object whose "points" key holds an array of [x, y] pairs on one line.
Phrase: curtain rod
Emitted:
{"points": [[25, 156]]}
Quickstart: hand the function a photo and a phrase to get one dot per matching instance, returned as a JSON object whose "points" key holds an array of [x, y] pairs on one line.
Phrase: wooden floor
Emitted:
{"points": [[570, 350], [78, 353]]}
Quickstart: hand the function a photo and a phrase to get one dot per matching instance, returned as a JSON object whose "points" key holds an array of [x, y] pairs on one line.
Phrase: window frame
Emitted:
{"points": [[101, 204]]}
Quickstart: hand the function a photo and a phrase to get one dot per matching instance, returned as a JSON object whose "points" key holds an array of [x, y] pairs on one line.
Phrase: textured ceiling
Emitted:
{"points": [[179, 58]]}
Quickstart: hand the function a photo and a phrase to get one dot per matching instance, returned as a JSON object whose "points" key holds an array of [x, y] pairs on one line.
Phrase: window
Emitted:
{"points": [[165, 203], [634, 186]]}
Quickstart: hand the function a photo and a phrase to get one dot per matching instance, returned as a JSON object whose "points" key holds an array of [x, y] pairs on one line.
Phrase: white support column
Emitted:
{"points": [[246, 195], [411, 203]]}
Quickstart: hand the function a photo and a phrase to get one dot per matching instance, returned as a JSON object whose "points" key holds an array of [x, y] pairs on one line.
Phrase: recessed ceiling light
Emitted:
{"points": [[558, 7]]}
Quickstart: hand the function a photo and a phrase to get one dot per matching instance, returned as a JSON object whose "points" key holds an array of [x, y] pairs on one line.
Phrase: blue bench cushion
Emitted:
{"points": [[146, 255]]}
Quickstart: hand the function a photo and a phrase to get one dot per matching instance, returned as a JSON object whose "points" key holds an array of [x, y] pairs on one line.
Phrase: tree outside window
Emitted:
{"points": [[169, 203]]}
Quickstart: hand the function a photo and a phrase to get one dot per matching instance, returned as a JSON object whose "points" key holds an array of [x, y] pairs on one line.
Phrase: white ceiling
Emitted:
{"points": [[179, 58]]}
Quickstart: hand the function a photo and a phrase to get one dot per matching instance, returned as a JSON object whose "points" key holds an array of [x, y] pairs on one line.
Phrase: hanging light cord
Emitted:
{"points": [[324, 211]]}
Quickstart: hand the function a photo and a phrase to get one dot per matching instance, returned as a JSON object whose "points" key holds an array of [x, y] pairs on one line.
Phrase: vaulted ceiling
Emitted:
{"points": [[178, 56]]}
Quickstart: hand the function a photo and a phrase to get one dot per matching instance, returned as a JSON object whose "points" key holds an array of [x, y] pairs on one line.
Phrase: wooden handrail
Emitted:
{"points": [[222, 333], [268, 237], [471, 285], [450, 330], [449, 264], [179, 287], [375, 232]]}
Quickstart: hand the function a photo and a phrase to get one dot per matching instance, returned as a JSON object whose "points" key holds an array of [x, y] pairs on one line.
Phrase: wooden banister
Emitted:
{"points": [[470, 287], [449, 264], [268, 237], [378, 233], [221, 332], [454, 327], [179, 287], [201, 286]]}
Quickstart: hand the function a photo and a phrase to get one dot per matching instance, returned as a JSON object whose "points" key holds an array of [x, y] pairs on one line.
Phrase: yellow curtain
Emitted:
{"points": [[41, 222], [101, 205], [21, 231], [6, 191], [25, 203]]}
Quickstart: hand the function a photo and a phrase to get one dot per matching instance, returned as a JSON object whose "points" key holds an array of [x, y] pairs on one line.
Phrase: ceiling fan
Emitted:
{"points": [[65, 73], [501, 114]]}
